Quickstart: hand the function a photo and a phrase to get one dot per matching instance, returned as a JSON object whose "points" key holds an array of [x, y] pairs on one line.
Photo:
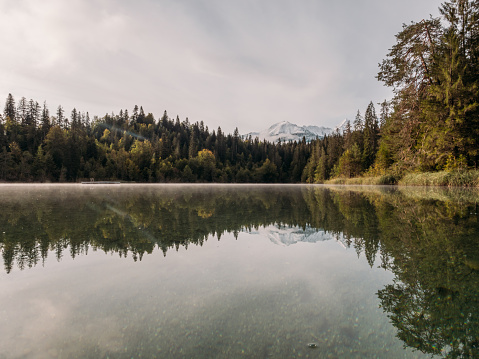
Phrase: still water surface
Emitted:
{"points": [[199, 271]]}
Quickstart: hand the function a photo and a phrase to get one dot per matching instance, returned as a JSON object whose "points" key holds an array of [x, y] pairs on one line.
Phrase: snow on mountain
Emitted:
{"points": [[342, 126], [287, 131], [288, 235]]}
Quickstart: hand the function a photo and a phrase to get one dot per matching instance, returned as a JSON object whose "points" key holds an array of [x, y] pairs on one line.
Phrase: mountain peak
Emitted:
{"points": [[342, 126], [287, 131]]}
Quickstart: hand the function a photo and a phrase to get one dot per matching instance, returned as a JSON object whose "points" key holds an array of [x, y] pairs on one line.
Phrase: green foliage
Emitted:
{"points": [[207, 165], [37, 147], [431, 124], [426, 239], [455, 164], [267, 172], [433, 69], [135, 221], [442, 178], [350, 163]]}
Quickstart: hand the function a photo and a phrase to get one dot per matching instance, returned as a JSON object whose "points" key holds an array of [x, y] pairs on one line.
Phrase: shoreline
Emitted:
{"points": [[460, 179], [465, 178]]}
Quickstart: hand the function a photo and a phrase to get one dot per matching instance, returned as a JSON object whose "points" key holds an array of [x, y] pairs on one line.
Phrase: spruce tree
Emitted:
{"points": [[60, 116], [370, 137], [451, 126], [10, 110]]}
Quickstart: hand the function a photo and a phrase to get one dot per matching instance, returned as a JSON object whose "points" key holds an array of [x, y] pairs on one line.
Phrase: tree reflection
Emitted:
{"points": [[134, 220], [428, 239]]}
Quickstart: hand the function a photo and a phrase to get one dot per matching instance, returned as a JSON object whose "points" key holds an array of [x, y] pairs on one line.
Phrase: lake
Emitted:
{"points": [[247, 271]]}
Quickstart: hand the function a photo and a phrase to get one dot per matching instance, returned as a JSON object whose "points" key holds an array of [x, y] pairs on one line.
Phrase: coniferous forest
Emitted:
{"points": [[37, 146], [431, 124]]}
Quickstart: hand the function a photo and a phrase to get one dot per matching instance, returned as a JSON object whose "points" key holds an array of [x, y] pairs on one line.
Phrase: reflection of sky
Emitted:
{"points": [[217, 300]]}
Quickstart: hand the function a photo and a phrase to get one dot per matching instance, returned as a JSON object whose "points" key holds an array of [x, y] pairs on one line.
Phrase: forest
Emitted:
{"points": [[39, 147], [431, 124]]}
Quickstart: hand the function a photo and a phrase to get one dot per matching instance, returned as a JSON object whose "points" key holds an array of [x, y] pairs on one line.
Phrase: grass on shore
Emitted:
{"points": [[468, 178], [375, 180], [443, 178]]}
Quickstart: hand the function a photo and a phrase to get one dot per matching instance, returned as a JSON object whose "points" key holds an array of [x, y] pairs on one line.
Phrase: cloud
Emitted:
{"points": [[228, 63]]}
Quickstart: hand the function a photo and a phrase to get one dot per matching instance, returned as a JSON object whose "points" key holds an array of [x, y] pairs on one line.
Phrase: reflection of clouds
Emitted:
{"points": [[210, 301], [33, 328], [65, 314], [56, 327]]}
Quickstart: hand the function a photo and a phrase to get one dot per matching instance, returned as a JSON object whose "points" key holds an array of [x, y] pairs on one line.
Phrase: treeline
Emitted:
{"points": [[432, 122], [37, 146]]}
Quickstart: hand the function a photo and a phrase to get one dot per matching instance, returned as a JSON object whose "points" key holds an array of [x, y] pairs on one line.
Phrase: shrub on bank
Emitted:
{"points": [[469, 178], [443, 178], [386, 179]]}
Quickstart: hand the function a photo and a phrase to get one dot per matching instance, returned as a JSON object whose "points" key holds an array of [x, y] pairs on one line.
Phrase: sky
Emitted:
{"points": [[242, 63]]}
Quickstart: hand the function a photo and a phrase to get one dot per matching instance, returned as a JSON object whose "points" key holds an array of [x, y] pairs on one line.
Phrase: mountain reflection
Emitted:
{"points": [[427, 238]]}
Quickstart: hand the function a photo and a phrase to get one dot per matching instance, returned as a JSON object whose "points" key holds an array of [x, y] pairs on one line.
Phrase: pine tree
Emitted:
{"points": [[347, 134], [220, 146], [22, 111], [358, 122], [134, 116], [10, 110], [370, 136], [451, 125], [384, 113], [60, 116], [33, 114], [409, 70], [193, 148]]}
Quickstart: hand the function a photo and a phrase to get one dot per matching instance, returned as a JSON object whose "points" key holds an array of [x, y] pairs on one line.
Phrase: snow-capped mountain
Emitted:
{"points": [[287, 131], [288, 235], [342, 126]]}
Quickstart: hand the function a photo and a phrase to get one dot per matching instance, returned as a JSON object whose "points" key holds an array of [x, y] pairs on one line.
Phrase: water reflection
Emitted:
{"points": [[134, 220], [426, 238], [429, 240]]}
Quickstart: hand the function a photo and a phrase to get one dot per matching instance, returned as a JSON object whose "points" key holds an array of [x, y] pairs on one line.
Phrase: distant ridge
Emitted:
{"points": [[287, 131]]}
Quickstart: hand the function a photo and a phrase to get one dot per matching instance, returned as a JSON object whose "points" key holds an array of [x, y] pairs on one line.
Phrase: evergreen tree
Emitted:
{"points": [[22, 111], [45, 121], [347, 133], [193, 148], [451, 125], [409, 70], [384, 114], [371, 132], [358, 122], [10, 110], [60, 116]]}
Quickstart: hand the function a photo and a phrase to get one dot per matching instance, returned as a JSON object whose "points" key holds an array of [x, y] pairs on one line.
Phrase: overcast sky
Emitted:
{"points": [[242, 63]]}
